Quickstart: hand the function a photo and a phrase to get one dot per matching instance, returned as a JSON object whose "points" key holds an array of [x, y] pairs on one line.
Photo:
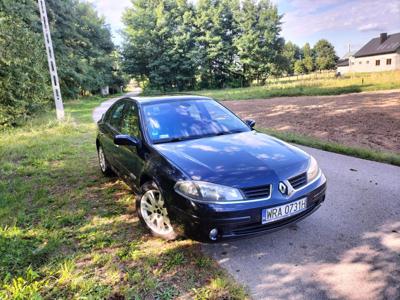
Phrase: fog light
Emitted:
{"points": [[213, 234]]}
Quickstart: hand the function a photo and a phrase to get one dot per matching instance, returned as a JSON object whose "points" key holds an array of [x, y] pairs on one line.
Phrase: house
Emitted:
{"points": [[379, 54], [342, 65]]}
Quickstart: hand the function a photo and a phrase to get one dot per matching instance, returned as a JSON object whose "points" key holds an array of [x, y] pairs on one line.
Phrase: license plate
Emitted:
{"points": [[284, 211]]}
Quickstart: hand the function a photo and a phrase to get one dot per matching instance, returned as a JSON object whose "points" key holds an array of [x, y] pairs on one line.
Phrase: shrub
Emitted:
{"points": [[24, 81]]}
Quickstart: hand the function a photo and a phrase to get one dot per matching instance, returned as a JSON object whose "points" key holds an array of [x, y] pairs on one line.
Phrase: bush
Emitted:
{"points": [[24, 81]]}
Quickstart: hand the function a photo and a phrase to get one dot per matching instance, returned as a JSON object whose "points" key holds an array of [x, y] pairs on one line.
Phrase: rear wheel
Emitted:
{"points": [[153, 213], [103, 163]]}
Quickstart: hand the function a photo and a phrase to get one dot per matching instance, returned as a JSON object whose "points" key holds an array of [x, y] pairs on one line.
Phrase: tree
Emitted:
{"points": [[118, 77], [160, 44], [308, 63], [258, 41], [325, 55], [173, 44], [308, 58], [291, 53], [299, 67], [141, 43], [83, 49], [82, 45], [306, 50], [174, 66], [215, 32], [24, 81]]}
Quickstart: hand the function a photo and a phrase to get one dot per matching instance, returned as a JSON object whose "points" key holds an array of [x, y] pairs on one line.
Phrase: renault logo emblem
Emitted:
{"points": [[283, 188]]}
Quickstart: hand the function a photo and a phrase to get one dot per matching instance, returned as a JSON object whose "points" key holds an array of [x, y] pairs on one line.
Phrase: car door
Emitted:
{"points": [[111, 128], [130, 156]]}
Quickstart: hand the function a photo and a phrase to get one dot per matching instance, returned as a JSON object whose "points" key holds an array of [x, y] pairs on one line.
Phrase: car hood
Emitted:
{"points": [[238, 160]]}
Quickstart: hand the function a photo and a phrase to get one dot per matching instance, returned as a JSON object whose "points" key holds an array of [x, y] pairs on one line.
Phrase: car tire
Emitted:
{"points": [[103, 162], [152, 212]]}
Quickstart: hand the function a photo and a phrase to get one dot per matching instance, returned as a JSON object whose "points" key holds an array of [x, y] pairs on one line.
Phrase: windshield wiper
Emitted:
{"points": [[229, 132], [175, 139], [185, 138]]}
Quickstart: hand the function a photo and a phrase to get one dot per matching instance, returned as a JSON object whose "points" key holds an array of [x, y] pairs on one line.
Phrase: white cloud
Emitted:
{"points": [[308, 17], [112, 10], [370, 27]]}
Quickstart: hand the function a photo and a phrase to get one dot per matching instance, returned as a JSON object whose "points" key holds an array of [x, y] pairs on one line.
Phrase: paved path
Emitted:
{"points": [[100, 110], [348, 249]]}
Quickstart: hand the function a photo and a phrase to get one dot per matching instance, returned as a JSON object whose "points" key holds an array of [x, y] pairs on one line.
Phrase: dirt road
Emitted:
{"points": [[369, 120]]}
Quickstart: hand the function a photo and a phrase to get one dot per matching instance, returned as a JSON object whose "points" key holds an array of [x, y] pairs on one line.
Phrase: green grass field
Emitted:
{"points": [[66, 232], [308, 86]]}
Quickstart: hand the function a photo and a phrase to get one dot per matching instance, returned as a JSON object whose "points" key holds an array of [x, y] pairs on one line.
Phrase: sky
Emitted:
{"points": [[342, 22]]}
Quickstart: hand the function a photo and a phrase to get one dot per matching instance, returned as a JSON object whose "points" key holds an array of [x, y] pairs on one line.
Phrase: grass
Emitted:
{"points": [[306, 86], [380, 156], [67, 232]]}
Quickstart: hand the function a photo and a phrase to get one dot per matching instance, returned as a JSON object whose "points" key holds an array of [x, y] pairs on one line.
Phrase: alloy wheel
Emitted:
{"points": [[102, 160], [154, 212]]}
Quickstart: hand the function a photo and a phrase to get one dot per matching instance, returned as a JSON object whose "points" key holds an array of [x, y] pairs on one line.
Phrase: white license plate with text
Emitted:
{"points": [[284, 211]]}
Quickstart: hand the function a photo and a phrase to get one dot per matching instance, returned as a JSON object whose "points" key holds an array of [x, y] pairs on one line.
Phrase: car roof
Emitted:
{"points": [[168, 98]]}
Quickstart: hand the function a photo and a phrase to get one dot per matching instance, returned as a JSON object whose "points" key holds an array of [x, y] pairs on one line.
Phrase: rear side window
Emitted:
{"points": [[130, 121], [115, 116]]}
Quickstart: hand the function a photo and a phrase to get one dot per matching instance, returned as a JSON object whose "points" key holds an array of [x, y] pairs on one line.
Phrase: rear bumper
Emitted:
{"points": [[243, 220]]}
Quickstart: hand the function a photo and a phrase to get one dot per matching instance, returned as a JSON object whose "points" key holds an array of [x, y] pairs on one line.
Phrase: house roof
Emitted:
{"points": [[348, 54], [374, 46], [342, 62]]}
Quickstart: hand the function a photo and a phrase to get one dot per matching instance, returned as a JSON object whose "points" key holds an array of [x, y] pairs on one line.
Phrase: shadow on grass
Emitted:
{"points": [[67, 231]]}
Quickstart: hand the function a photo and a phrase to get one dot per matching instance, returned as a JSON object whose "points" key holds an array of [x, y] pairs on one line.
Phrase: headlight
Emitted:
{"points": [[207, 192], [313, 169]]}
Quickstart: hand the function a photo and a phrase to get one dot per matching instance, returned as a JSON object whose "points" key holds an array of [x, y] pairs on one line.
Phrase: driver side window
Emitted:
{"points": [[116, 115], [130, 121]]}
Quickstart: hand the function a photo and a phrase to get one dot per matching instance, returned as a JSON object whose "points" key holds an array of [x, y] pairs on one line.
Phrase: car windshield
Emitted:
{"points": [[189, 119]]}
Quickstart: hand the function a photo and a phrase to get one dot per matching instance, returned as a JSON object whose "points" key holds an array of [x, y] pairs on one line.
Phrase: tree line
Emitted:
{"points": [[306, 59], [86, 56], [167, 45], [176, 44]]}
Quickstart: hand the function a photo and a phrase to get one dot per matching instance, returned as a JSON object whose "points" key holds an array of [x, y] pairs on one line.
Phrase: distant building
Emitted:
{"points": [[342, 65], [379, 54], [105, 90]]}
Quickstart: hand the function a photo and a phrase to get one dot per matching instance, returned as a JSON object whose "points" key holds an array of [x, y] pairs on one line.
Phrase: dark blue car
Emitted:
{"points": [[199, 169]]}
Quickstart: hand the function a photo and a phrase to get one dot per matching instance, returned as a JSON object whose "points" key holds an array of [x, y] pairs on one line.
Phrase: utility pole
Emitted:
{"points": [[51, 60]]}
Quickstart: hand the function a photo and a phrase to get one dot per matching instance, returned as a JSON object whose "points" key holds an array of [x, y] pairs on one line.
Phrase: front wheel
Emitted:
{"points": [[153, 213]]}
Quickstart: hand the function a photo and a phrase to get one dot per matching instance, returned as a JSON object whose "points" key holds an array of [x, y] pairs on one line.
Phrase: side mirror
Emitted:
{"points": [[126, 140], [250, 123]]}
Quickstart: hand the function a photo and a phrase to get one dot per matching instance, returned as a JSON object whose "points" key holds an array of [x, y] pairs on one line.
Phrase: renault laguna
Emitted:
{"points": [[198, 169]]}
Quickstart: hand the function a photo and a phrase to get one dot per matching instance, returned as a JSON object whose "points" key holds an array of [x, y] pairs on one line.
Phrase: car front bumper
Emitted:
{"points": [[244, 219]]}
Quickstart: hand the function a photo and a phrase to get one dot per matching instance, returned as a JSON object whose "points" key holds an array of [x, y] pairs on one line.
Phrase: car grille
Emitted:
{"points": [[263, 191], [258, 227], [298, 181]]}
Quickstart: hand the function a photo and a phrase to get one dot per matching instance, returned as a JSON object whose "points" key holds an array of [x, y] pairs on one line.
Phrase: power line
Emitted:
{"points": [[51, 60]]}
